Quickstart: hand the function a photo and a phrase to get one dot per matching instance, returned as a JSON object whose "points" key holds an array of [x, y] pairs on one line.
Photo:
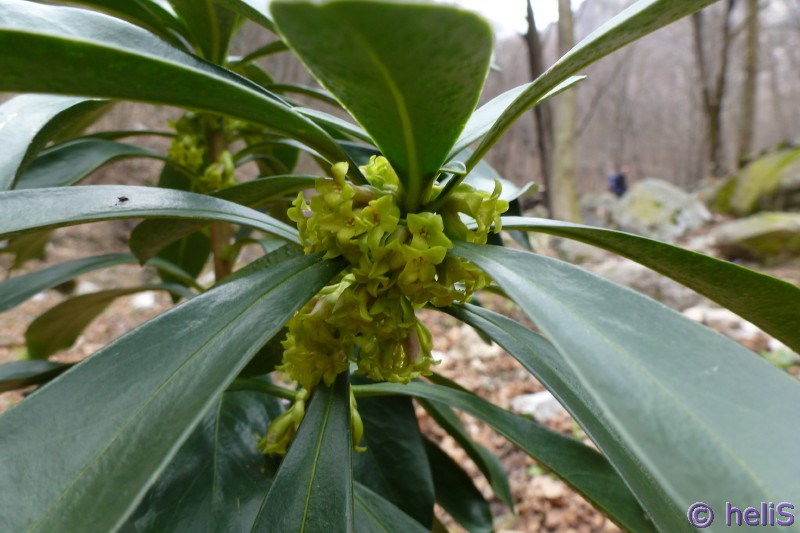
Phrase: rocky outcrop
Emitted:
{"points": [[767, 237], [658, 209], [769, 183]]}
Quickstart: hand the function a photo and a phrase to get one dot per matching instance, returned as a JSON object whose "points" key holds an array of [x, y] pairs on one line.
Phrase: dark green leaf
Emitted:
{"points": [[153, 235], [30, 210], [332, 121], [268, 49], [256, 74], [661, 381], [643, 17], [456, 493], [485, 460], [255, 10], [313, 489], [376, 515], [73, 51], [29, 121], [27, 247], [84, 448], [210, 26], [148, 14], [16, 290], [395, 464], [21, 374], [577, 464], [190, 254], [267, 358], [218, 479], [312, 92], [409, 83], [767, 302], [72, 161], [59, 327]]}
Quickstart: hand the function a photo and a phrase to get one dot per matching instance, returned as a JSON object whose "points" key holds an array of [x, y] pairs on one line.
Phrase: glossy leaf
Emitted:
{"points": [[218, 479], [410, 84], [312, 92], [151, 236], [60, 326], [70, 162], [395, 464], [16, 290], [485, 116], [376, 515], [486, 461], [661, 381], [29, 210], [148, 14], [268, 49], [577, 464], [80, 452], [483, 177], [456, 493], [20, 374], [766, 301], [209, 25], [313, 489], [638, 20], [28, 122], [73, 51], [190, 254], [543, 360], [332, 121]]}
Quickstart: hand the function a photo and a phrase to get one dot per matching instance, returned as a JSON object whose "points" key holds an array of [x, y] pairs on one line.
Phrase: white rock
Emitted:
{"points": [[542, 406], [775, 345], [547, 487], [143, 300], [86, 287]]}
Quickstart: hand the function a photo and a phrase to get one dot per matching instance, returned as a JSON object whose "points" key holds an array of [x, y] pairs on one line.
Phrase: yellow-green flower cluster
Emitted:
{"points": [[397, 265], [190, 147]]}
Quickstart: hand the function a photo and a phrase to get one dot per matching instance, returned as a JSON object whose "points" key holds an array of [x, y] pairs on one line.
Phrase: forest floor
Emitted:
{"points": [[543, 503]]}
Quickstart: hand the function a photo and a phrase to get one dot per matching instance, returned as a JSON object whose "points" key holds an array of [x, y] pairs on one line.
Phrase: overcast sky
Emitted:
{"points": [[509, 15]]}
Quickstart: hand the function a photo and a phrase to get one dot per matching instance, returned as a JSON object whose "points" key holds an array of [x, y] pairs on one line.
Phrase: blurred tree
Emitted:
{"points": [[542, 116], [712, 85], [748, 97], [563, 195]]}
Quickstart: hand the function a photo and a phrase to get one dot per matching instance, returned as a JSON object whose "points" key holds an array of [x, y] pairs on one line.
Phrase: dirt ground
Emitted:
{"points": [[543, 503]]}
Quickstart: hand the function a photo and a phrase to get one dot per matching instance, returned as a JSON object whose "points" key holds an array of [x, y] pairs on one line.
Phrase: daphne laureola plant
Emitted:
{"points": [[179, 426]]}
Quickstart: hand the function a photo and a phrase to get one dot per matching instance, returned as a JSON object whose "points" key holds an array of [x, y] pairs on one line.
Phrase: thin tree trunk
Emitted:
{"points": [[713, 91], [541, 113], [748, 102], [564, 196]]}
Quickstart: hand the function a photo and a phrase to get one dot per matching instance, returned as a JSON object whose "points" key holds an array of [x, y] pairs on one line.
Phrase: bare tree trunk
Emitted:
{"points": [[564, 196], [713, 90], [748, 102], [541, 113]]}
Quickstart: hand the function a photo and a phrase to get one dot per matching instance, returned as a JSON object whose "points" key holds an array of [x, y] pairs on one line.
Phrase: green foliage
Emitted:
{"points": [[183, 425]]}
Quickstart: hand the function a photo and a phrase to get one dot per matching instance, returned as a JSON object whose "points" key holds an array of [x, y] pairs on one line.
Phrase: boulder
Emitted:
{"points": [[596, 209], [768, 183], [658, 209], [767, 237]]}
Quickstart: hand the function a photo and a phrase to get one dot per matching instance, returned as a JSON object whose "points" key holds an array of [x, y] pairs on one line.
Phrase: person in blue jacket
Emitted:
{"points": [[618, 182]]}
